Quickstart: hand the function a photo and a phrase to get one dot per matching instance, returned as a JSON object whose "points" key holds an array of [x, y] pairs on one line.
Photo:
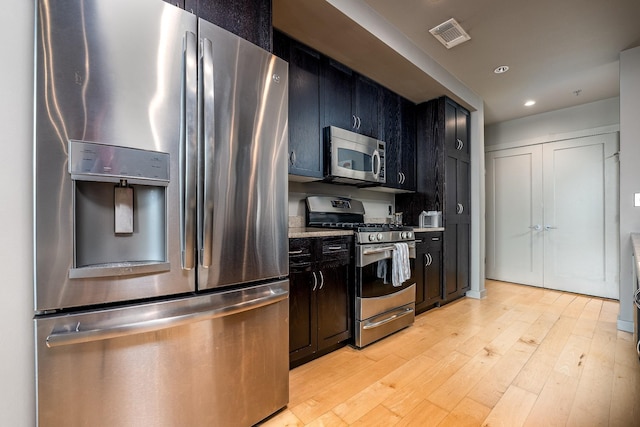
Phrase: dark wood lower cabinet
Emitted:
{"points": [[320, 317], [456, 255], [428, 273]]}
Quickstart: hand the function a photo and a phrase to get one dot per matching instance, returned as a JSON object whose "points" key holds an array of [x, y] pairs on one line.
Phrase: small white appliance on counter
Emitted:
{"points": [[429, 219]]}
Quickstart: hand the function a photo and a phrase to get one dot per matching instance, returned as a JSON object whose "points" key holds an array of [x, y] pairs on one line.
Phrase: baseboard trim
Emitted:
{"points": [[625, 325]]}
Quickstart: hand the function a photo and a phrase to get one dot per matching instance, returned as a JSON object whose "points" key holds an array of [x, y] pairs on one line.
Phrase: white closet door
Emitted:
{"points": [[581, 215], [514, 232], [552, 215]]}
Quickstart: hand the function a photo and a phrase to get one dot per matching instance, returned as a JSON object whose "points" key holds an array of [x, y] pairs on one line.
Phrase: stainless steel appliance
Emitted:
{"points": [[351, 158], [380, 306], [161, 250]]}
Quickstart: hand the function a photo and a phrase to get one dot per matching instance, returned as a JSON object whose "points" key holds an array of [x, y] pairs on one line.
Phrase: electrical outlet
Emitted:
{"points": [[636, 199]]}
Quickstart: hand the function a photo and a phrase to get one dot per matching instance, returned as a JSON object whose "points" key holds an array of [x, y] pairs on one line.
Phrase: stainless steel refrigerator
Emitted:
{"points": [[160, 190]]}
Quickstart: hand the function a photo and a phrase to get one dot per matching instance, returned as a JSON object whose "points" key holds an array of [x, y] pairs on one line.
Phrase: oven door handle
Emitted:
{"points": [[396, 315], [377, 250]]}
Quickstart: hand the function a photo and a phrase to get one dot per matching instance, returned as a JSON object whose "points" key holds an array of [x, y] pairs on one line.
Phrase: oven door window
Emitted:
{"points": [[376, 279], [355, 160]]}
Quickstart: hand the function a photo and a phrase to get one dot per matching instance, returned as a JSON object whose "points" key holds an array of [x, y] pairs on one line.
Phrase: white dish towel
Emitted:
{"points": [[401, 270]]}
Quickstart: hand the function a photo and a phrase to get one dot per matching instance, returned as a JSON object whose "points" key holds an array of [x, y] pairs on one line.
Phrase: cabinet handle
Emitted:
{"points": [[292, 158], [536, 227], [460, 209], [315, 281], [295, 252], [636, 296], [359, 123], [334, 248], [355, 121], [460, 144], [321, 279], [550, 227], [435, 239]]}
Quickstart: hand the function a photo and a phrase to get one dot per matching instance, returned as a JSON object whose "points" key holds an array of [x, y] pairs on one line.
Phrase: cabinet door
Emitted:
{"points": [[336, 86], [305, 134], [420, 270], [407, 157], [392, 136], [399, 134], [366, 103], [334, 320], [433, 273], [303, 330], [451, 261], [249, 19]]}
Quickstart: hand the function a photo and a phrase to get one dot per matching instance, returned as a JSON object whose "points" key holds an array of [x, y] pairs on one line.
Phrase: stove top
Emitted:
{"points": [[361, 226], [348, 214]]}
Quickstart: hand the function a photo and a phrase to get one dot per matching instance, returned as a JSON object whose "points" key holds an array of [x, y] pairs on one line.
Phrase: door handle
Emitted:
{"points": [[190, 147], [376, 164], [79, 335], [208, 134]]}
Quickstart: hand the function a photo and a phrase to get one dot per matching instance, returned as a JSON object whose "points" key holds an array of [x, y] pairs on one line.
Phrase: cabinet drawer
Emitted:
{"points": [[300, 253], [336, 249]]}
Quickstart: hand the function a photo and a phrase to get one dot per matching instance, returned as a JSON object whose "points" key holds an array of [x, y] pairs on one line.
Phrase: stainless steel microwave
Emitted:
{"points": [[351, 158]]}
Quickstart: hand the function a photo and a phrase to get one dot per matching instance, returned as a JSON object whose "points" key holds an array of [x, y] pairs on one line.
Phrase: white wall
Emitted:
{"points": [[17, 384], [553, 125], [629, 176]]}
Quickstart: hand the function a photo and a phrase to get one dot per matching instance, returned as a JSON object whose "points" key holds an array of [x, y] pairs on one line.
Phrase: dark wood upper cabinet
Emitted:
{"points": [[249, 19], [399, 134], [337, 97], [305, 133]]}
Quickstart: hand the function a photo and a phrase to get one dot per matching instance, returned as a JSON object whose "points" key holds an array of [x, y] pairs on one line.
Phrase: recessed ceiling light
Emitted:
{"points": [[501, 69], [529, 103]]}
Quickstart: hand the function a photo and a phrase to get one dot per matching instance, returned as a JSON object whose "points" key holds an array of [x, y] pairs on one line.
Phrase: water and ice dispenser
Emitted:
{"points": [[120, 210]]}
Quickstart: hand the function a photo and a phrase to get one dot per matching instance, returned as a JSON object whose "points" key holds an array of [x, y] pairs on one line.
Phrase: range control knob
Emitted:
{"points": [[403, 235], [379, 236], [409, 235], [372, 237]]}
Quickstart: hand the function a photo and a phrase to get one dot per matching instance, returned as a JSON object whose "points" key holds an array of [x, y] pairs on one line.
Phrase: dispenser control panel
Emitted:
{"points": [[102, 162]]}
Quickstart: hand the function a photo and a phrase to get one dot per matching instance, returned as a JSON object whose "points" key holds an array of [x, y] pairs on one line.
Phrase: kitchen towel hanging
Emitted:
{"points": [[401, 270]]}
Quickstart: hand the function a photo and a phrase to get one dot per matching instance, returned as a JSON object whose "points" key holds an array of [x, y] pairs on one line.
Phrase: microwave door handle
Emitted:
{"points": [[188, 156], [376, 164], [205, 208]]}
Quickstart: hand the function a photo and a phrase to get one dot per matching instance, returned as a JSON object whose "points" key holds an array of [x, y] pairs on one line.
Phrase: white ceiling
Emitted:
{"points": [[553, 47]]}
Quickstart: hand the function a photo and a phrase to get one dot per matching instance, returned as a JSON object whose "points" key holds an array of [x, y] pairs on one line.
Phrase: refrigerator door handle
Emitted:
{"points": [[78, 336], [188, 161], [205, 207]]}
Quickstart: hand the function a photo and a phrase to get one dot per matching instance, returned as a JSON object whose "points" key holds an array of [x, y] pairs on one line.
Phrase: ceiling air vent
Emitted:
{"points": [[450, 33]]}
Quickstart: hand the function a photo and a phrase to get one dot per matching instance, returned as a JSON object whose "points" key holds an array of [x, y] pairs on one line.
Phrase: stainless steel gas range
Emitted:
{"points": [[384, 291]]}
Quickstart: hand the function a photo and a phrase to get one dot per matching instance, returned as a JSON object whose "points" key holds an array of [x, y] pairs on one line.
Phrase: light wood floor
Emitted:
{"points": [[523, 356]]}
